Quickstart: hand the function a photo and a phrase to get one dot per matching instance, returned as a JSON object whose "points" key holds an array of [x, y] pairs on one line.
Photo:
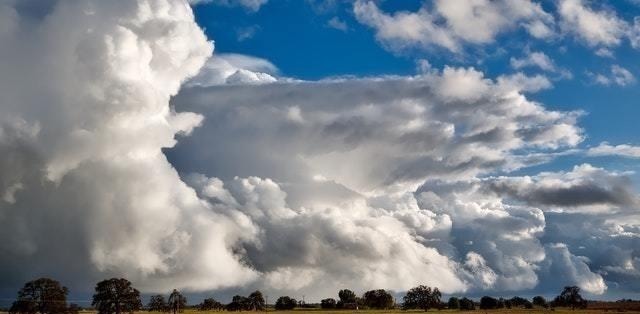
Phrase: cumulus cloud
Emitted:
{"points": [[452, 123], [595, 28], [452, 24], [82, 132], [537, 59], [318, 141], [521, 82], [561, 265], [624, 150], [280, 184], [234, 69], [617, 76]]}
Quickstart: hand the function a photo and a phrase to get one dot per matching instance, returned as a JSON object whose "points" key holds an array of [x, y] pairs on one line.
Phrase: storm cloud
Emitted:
{"points": [[245, 179]]}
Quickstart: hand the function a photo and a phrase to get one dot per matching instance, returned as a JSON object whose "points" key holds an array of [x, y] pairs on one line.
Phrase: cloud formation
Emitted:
{"points": [[246, 179], [84, 181], [451, 24], [606, 149]]}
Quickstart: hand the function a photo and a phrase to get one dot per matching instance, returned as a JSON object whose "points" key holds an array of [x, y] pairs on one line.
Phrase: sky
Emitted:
{"points": [[301, 147]]}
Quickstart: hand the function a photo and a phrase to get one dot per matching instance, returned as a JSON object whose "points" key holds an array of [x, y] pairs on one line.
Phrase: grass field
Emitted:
{"points": [[609, 309], [477, 311]]}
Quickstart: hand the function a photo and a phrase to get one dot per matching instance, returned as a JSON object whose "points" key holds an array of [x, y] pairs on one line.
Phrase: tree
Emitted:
{"points": [[177, 302], [518, 301], [285, 303], [422, 297], [570, 296], [346, 297], [539, 301], [210, 304], [454, 303], [329, 303], [256, 301], [467, 304], [501, 303], [378, 299], [116, 296], [238, 303], [528, 305], [157, 303], [44, 295], [488, 303]]}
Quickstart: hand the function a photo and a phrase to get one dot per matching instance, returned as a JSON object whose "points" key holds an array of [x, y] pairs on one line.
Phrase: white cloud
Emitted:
{"points": [[534, 59], [234, 69], [622, 76], [337, 23], [82, 131], [618, 76], [573, 270], [521, 82], [304, 187], [605, 149], [451, 24], [356, 150], [595, 28]]}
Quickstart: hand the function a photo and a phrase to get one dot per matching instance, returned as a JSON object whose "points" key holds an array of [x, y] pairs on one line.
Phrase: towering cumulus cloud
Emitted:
{"points": [[246, 180], [86, 190]]}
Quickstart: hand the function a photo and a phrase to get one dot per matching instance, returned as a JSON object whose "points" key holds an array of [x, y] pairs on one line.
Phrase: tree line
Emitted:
{"points": [[117, 296]]}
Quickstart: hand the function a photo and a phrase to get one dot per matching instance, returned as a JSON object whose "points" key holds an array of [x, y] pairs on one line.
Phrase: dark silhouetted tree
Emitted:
{"points": [[157, 303], [422, 297], [378, 299], [570, 296], [467, 304], [177, 302], [454, 303], [256, 301], [488, 303], [518, 301], [285, 303], [528, 305], [346, 296], [210, 304], [116, 296], [539, 301], [238, 303], [329, 303], [44, 295]]}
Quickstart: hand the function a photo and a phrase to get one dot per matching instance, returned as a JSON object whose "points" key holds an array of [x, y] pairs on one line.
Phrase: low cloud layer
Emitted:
{"points": [[248, 180]]}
